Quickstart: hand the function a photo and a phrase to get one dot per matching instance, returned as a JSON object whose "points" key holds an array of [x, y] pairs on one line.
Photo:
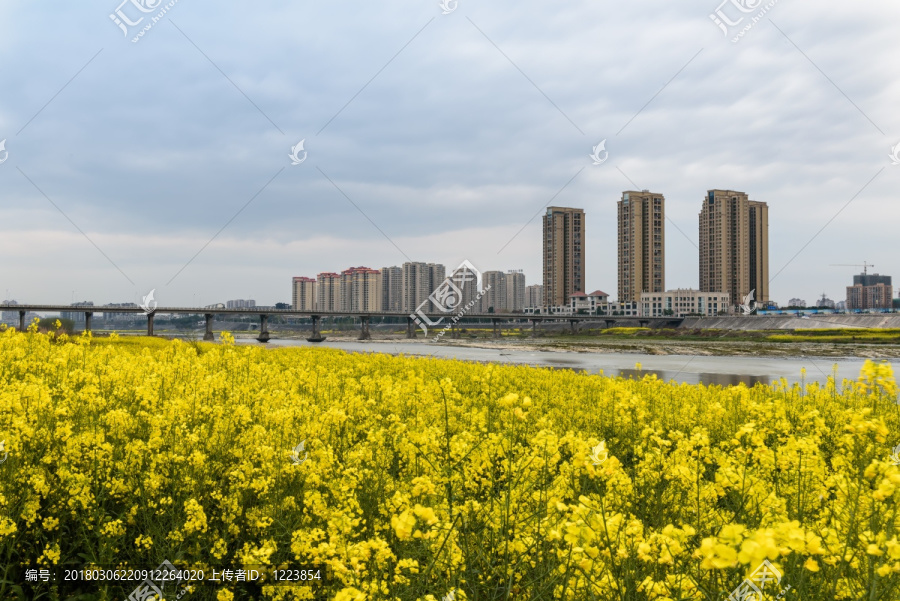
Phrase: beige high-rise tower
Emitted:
{"points": [[734, 245], [563, 254], [642, 244], [304, 294], [419, 281]]}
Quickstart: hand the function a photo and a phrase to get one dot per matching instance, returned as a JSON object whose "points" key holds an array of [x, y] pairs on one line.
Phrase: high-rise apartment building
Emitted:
{"points": [[515, 290], [437, 273], [416, 285], [642, 244], [870, 291], [303, 294], [466, 279], [361, 290], [534, 296], [734, 245], [392, 289], [563, 256], [419, 281], [494, 298], [328, 292]]}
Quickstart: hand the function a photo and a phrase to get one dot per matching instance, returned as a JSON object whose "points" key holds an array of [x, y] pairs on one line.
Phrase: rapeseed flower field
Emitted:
{"points": [[422, 479]]}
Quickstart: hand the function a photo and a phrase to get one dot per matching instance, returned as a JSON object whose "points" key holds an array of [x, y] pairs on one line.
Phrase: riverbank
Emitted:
{"points": [[639, 346]]}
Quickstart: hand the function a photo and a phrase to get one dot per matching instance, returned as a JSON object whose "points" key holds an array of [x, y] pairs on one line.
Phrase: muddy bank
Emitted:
{"points": [[700, 348]]}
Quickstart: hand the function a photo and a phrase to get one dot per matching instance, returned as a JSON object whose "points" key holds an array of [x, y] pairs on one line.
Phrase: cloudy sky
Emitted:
{"points": [[162, 161]]}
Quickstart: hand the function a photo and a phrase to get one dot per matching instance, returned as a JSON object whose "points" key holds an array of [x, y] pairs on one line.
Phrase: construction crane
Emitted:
{"points": [[865, 265]]}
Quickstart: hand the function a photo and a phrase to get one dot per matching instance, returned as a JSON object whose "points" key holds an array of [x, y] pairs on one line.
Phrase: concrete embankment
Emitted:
{"points": [[783, 322]]}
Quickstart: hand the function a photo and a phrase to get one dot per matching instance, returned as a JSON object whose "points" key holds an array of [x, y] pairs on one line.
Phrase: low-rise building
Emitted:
{"points": [[825, 302], [121, 316], [240, 304], [11, 317], [579, 303], [76, 316], [683, 302], [599, 302], [595, 303], [625, 309]]}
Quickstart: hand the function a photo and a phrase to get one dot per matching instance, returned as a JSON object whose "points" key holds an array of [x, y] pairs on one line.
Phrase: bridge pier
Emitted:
{"points": [[263, 328], [609, 323], [316, 335], [150, 317], [496, 323], [573, 326], [534, 323], [21, 321], [454, 330], [364, 328], [209, 333], [87, 321], [410, 328], [643, 323]]}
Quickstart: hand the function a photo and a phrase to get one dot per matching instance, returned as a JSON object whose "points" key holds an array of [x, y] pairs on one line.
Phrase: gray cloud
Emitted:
{"points": [[450, 149]]}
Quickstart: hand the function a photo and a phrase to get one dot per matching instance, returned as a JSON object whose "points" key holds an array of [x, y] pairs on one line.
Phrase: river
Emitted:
{"points": [[691, 369]]}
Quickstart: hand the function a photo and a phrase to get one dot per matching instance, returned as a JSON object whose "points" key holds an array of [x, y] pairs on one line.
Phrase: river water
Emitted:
{"points": [[691, 369]]}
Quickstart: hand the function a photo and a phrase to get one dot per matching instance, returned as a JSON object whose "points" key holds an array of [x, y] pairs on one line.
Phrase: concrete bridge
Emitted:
{"points": [[363, 317]]}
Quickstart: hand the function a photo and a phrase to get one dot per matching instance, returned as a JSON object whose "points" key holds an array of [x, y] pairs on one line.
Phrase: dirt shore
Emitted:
{"points": [[648, 347]]}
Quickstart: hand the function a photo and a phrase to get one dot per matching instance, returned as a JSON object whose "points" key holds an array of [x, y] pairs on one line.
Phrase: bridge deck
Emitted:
{"points": [[355, 314]]}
